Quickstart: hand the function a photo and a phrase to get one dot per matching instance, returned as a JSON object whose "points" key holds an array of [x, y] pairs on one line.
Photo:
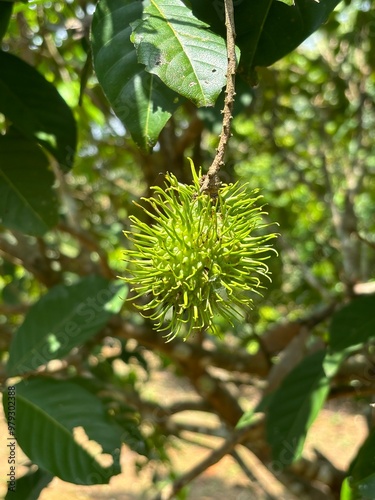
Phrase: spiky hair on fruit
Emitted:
{"points": [[199, 258]]}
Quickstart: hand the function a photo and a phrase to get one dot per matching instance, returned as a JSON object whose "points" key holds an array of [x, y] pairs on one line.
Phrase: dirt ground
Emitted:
{"points": [[337, 433]]}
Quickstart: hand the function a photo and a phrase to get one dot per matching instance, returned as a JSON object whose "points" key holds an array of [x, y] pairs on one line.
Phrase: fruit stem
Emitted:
{"points": [[210, 182]]}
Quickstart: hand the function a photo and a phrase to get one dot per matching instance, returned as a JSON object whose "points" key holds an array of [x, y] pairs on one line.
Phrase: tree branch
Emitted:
{"points": [[22, 250], [238, 436]]}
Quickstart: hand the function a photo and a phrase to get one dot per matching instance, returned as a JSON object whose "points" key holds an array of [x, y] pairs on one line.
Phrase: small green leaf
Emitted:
{"points": [[250, 415], [346, 492], [65, 317], [354, 324], [287, 2], [179, 49], [294, 406], [28, 202], [36, 109], [49, 414], [141, 101], [246, 419]]}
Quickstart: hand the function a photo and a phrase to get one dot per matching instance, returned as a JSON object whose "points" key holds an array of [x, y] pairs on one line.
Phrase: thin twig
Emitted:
{"points": [[178, 427], [210, 182], [238, 436]]}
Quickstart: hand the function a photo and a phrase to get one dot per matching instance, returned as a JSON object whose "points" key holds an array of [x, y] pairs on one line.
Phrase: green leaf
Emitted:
{"points": [[286, 27], [29, 486], [346, 492], [28, 202], [65, 317], [287, 2], [267, 30], [141, 101], [332, 363], [5, 14], [49, 413], [125, 416], [179, 49], [250, 415], [294, 406], [354, 324], [361, 476], [36, 109], [366, 491]]}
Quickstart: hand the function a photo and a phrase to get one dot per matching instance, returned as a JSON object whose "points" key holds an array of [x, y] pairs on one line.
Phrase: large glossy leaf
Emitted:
{"points": [[361, 479], [286, 27], [36, 109], [65, 317], [354, 324], [30, 486], [267, 30], [294, 406], [179, 48], [141, 101], [330, 365], [49, 413], [28, 202]]}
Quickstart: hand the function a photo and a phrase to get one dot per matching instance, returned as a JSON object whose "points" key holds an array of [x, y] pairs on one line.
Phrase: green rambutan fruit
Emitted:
{"points": [[200, 257]]}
